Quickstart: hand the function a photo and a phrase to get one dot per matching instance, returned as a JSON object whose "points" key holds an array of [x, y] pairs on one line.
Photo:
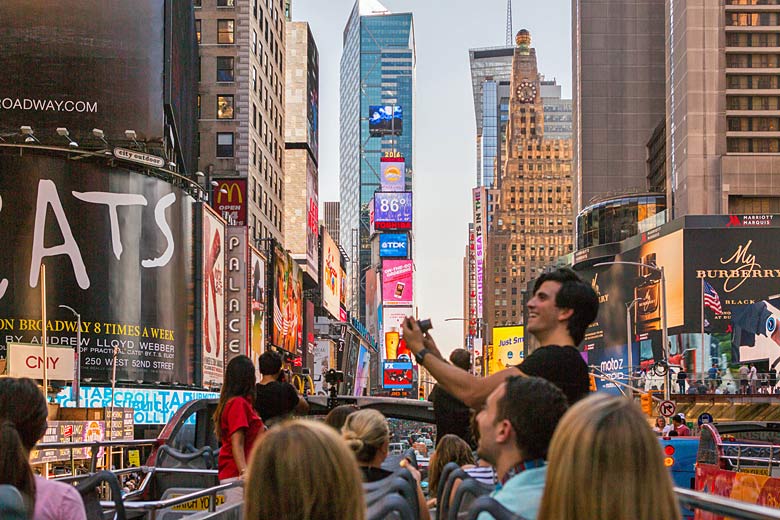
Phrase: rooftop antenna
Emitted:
{"points": [[508, 23]]}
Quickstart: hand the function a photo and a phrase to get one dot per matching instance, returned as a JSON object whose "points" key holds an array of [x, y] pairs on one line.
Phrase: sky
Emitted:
{"points": [[445, 143]]}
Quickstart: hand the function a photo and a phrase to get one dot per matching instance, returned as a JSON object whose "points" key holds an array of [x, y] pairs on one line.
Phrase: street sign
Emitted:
{"points": [[705, 418], [667, 408]]}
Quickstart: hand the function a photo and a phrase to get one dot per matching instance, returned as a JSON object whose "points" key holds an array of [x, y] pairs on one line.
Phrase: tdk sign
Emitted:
{"points": [[393, 245]]}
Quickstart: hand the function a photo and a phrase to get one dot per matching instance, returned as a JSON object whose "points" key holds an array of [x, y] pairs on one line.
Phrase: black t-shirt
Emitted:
{"points": [[562, 366], [452, 416], [275, 399], [372, 474]]}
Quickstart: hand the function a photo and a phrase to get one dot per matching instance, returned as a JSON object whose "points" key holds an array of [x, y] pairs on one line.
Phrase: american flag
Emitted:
{"points": [[711, 299]]}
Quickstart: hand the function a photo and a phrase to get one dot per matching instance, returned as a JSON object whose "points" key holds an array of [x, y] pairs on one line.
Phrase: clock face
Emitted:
{"points": [[526, 92]]}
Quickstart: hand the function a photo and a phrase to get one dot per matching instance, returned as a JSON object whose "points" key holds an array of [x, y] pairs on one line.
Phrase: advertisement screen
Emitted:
{"points": [[313, 98], [397, 374], [507, 347], [323, 355], [237, 294], [393, 210], [118, 248], [393, 245], [83, 65], [213, 305], [331, 274], [373, 302], [397, 287], [257, 273], [344, 291], [231, 205], [312, 219], [612, 362], [392, 173], [391, 341], [478, 195], [362, 371], [288, 303], [385, 120]]}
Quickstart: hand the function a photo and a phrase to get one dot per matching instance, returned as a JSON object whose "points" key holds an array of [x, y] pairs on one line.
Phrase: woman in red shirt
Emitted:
{"points": [[236, 423]]}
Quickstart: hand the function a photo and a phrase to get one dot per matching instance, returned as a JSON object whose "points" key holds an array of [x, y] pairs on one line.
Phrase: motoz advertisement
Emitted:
{"points": [[397, 287], [288, 303], [213, 303], [393, 210], [118, 249]]}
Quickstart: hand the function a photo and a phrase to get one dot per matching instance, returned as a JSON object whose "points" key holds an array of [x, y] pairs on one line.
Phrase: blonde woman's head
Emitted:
{"points": [[367, 434], [287, 471], [605, 441]]}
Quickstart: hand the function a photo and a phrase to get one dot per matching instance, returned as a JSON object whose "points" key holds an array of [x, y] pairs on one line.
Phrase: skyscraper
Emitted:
{"points": [[377, 70]]}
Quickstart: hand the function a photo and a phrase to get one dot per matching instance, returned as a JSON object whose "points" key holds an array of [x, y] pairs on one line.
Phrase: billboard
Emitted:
{"points": [[258, 297], [373, 301], [213, 298], [392, 173], [25, 360], [385, 120], [331, 274], [397, 374], [508, 347], [118, 248], [232, 204], [237, 293], [324, 354], [397, 286], [393, 210], [288, 303], [312, 220], [612, 362], [392, 343], [362, 371], [480, 242], [472, 282], [393, 245], [313, 96], [343, 292]]}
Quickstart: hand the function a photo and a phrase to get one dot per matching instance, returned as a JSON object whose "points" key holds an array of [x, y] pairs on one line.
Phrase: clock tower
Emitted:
{"points": [[533, 216]]}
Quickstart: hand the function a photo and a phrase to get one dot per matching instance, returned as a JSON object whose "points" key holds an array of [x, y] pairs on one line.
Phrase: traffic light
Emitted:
{"points": [[647, 403], [422, 393], [592, 383]]}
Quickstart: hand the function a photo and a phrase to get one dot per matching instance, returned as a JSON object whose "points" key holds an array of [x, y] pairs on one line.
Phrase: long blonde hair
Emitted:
{"points": [[365, 432], [605, 444], [302, 470]]}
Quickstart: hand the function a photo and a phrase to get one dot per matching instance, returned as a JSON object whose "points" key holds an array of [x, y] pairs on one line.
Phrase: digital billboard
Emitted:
{"points": [[118, 248], [237, 317], [231, 204], [480, 241], [393, 245], [331, 274], [257, 274], [397, 286], [288, 303], [213, 302], [323, 361], [385, 120], [392, 343], [508, 347], [373, 301], [397, 374], [312, 219], [393, 210], [313, 97], [362, 371], [392, 173]]}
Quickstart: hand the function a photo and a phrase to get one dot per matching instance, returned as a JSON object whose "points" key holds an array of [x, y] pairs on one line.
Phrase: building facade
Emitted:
{"points": [[241, 103], [377, 70], [332, 219], [618, 90], [533, 221]]}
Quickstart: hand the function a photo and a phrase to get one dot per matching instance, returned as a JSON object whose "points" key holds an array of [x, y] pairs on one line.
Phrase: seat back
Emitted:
{"points": [[88, 489], [445, 474], [11, 503], [486, 504], [444, 501], [171, 458], [392, 506], [467, 492], [401, 482]]}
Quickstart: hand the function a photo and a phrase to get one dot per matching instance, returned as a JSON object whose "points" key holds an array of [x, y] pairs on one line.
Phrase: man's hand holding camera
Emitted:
{"points": [[417, 337]]}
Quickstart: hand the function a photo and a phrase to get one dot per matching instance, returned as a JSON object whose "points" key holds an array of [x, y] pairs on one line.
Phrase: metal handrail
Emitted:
{"points": [[725, 506], [98, 444]]}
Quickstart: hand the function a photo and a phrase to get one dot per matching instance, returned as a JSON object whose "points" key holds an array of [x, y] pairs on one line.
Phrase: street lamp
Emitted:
{"points": [[629, 335], [480, 335], [76, 388], [664, 331]]}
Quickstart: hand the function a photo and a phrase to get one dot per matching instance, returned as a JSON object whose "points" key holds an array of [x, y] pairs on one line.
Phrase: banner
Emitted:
{"points": [[331, 274], [508, 347], [27, 361], [258, 317], [288, 303], [118, 248], [391, 342], [213, 307], [392, 173], [237, 293], [232, 204], [373, 301], [397, 286], [472, 283], [479, 242]]}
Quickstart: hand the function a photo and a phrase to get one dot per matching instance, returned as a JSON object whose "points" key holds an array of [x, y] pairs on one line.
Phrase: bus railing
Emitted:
{"points": [[767, 455], [725, 506], [95, 447]]}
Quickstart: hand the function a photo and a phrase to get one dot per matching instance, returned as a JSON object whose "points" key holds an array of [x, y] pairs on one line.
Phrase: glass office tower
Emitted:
{"points": [[377, 69]]}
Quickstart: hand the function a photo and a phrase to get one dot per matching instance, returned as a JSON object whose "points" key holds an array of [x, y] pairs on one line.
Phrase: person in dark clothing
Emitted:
{"points": [[274, 399], [561, 309], [452, 416], [682, 376]]}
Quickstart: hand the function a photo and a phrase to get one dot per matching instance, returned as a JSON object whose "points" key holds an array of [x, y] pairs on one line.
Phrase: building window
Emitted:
{"points": [[198, 106], [197, 31], [196, 3], [254, 78], [226, 31], [226, 3], [254, 41], [224, 107], [225, 144], [225, 68]]}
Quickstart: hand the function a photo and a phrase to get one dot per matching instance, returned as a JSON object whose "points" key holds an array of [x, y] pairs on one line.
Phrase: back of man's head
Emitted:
{"points": [[533, 406], [461, 358], [270, 363], [576, 295]]}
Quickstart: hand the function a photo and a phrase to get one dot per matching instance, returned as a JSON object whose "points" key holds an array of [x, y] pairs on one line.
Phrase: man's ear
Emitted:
{"points": [[504, 431], [564, 314]]}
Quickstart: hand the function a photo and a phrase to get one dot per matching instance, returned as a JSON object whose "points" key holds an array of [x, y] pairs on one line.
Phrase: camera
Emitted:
{"points": [[425, 325], [334, 377]]}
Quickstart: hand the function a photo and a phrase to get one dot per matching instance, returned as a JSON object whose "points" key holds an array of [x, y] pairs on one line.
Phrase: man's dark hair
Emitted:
{"points": [[270, 363], [461, 358], [576, 295], [533, 406]]}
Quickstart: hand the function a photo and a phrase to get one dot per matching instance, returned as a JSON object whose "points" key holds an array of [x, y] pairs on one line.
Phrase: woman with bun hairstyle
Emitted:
{"points": [[23, 413], [368, 436]]}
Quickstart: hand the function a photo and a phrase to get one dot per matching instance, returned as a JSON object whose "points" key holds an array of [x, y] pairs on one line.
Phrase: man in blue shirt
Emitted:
{"points": [[515, 428]]}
